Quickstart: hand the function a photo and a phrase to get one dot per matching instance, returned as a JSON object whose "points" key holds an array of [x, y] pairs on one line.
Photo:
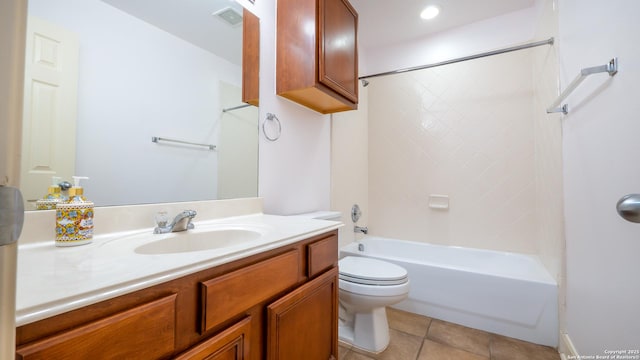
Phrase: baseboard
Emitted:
{"points": [[567, 349]]}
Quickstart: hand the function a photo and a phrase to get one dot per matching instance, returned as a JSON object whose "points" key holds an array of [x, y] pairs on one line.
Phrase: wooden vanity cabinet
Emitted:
{"points": [[280, 304], [317, 55]]}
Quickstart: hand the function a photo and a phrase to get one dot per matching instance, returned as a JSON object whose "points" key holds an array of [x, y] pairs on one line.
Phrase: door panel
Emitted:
{"points": [[50, 107], [304, 323]]}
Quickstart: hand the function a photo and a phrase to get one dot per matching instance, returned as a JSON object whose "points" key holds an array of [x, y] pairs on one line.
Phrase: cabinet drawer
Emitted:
{"points": [[143, 332], [229, 295], [232, 343], [322, 255]]}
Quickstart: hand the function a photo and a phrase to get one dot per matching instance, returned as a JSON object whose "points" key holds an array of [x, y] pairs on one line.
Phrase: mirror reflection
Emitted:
{"points": [[103, 77]]}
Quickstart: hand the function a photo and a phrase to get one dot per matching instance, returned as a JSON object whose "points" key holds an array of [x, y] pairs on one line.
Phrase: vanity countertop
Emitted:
{"points": [[53, 280]]}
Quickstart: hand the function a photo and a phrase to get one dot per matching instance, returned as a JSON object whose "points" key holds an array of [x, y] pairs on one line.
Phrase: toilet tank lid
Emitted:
{"points": [[322, 215]]}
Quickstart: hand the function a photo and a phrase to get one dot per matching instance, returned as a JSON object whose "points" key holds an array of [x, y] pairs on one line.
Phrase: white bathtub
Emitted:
{"points": [[500, 292]]}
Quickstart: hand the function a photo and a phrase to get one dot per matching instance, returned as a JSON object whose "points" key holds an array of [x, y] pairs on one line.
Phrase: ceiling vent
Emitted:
{"points": [[229, 15]]}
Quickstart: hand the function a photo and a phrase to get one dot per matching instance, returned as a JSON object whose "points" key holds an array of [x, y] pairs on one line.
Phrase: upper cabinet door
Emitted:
{"points": [[250, 58], [338, 60], [316, 54]]}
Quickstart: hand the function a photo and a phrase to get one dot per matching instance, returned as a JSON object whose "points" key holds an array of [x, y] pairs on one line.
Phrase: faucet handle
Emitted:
{"points": [[190, 213], [161, 218]]}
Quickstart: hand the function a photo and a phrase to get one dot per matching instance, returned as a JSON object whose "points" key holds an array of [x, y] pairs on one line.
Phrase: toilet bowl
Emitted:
{"points": [[367, 286]]}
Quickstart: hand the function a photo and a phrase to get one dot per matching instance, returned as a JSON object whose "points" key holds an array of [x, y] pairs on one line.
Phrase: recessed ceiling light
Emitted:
{"points": [[429, 12]]}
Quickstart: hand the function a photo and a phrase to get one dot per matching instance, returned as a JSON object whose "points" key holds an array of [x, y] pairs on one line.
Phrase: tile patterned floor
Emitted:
{"points": [[416, 337]]}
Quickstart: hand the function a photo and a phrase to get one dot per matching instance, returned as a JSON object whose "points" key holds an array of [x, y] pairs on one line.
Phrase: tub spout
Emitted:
{"points": [[361, 229]]}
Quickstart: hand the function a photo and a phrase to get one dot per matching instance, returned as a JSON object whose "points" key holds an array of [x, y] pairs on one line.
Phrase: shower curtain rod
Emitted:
{"points": [[549, 41]]}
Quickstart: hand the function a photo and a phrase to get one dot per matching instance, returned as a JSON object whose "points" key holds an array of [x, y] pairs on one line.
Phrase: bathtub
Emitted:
{"points": [[505, 293]]}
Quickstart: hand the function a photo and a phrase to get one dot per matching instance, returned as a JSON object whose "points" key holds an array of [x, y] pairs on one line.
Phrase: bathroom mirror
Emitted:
{"points": [[143, 69]]}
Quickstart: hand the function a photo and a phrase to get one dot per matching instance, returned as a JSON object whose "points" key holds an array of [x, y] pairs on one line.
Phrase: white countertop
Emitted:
{"points": [[53, 280]]}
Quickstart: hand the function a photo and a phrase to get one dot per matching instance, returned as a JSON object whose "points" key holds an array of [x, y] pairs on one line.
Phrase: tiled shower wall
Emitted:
{"points": [[463, 130], [548, 147]]}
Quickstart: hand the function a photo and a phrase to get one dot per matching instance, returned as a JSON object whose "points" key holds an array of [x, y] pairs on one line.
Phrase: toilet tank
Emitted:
{"points": [[323, 215], [327, 215]]}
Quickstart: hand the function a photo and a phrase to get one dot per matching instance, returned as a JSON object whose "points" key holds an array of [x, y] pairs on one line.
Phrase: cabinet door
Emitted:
{"points": [[231, 344], [304, 323], [338, 57], [250, 58]]}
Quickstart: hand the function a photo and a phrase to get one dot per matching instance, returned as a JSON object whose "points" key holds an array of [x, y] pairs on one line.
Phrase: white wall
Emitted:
{"points": [[494, 33], [350, 166], [237, 146], [600, 145], [294, 173], [137, 81], [549, 236]]}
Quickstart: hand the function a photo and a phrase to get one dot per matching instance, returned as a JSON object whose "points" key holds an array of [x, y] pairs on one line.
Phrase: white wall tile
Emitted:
{"points": [[464, 130]]}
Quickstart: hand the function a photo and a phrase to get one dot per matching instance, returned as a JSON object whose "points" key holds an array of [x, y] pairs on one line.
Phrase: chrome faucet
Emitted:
{"points": [[181, 222], [360, 229]]}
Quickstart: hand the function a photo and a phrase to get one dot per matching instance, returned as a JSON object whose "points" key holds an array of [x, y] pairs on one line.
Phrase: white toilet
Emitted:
{"points": [[367, 286]]}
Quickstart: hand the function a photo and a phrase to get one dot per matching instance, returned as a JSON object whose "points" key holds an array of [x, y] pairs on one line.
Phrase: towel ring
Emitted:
{"points": [[272, 117]]}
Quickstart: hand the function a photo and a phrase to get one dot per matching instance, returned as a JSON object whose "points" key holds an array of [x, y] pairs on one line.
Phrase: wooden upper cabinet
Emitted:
{"points": [[316, 54], [250, 58]]}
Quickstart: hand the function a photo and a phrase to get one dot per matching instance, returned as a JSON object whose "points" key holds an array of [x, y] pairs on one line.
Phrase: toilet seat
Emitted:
{"points": [[372, 277], [367, 271]]}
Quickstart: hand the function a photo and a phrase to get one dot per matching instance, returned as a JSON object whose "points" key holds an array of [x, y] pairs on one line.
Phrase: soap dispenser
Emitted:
{"points": [[52, 197], [74, 219]]}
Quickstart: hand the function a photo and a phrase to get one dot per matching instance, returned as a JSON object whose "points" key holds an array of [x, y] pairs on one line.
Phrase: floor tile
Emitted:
{"points": [[503, 348], [352, 355], [434, 351], [410, 323], [401, 346], [461, 337], [342, 352]]}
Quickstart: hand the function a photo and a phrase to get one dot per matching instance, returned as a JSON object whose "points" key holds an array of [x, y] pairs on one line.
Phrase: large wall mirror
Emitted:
{"points": [[103, 77]]}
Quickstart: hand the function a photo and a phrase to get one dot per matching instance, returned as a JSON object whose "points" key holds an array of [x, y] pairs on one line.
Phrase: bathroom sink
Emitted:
{"points": [[189, 241]]}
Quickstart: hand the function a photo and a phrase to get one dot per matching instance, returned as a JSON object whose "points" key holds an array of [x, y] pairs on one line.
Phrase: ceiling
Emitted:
{"points": [[191, 20], [381, 22], [385, 22]]}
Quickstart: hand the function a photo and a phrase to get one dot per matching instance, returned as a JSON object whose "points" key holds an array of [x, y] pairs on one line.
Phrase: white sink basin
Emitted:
{"points": [[188, 241]]}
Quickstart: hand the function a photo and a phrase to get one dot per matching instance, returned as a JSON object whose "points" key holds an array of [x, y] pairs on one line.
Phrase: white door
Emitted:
{"points": [[50, 107], [601, 143]]}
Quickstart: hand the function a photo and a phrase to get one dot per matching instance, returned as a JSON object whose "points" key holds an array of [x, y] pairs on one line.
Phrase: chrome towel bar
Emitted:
{"points": [[236, 108], [611, 68], [157, 139]]}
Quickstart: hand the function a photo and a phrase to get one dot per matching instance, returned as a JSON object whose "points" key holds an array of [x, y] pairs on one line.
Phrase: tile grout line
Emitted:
{"points": [[424, 338]]}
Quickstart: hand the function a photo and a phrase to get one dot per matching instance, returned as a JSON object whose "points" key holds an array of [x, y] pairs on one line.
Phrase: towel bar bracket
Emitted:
{"points": [[563, 109], [611, 68]]}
